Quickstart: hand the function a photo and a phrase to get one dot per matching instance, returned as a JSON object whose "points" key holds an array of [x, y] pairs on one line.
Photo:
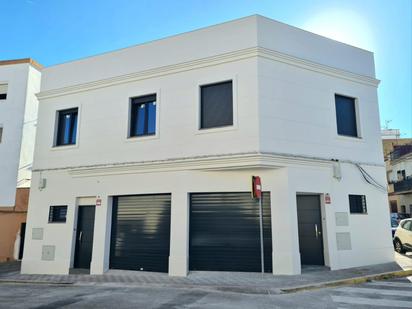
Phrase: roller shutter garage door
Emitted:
{"points": [[225, 234], [140, 237]]}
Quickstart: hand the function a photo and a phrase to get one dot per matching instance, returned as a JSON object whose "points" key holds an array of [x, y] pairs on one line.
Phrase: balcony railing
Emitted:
{"points": [[400, 151], [403, 185]]}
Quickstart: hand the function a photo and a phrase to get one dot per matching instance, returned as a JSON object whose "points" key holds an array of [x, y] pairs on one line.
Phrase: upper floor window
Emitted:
{"points": [[1, 134], [67, 127], [216, 105], [346, 116], [3, 91], [401, 175], [143, 116], [357, 204]]}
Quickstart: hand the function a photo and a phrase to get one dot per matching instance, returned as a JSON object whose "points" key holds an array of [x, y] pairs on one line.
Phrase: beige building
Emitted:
{"points": [[398, 159]]}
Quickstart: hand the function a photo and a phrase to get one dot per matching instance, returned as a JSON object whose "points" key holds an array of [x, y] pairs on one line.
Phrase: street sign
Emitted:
{"points": [[257, 194], [256, 187]]}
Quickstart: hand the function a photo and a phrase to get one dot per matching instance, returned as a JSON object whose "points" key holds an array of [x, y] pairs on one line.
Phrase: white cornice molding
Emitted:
{"points": [[317, 67], [222, 162], [212, 61]]}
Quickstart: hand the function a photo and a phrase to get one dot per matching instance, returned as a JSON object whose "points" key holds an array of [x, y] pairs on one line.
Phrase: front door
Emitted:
{"points": [[84, 237], [310, 230], [22, 236]]}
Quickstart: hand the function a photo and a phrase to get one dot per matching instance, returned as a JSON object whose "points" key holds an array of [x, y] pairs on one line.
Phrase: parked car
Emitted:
{"points": [[394, 225], [403, 236]]}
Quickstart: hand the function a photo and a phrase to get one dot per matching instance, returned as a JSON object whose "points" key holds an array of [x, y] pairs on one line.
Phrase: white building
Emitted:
{"points": [[19, 82], [161, 140]]}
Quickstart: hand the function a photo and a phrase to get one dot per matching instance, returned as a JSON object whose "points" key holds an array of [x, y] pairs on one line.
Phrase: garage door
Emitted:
{"points": [[225, 234], [140, 237]]}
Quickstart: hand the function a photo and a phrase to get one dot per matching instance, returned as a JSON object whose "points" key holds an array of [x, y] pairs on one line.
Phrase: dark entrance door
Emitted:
{"points": [[84, 237], [310, 230], [140, 237], [225, 233], [22, 235]]}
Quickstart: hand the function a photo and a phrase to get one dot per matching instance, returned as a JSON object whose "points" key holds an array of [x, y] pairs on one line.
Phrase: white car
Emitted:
{"points": [[403, 236]]}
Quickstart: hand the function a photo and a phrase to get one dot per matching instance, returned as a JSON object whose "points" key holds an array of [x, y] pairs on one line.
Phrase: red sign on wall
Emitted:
{"points": [[327, 198], [256, 187]]}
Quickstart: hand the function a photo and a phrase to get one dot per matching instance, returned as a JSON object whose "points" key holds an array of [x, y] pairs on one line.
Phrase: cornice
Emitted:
{"points": [[236, 161], [211, 61], [30, 61]]}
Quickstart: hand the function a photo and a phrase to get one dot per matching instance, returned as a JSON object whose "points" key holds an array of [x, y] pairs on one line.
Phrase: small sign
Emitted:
{"points": [[98, 202], [327, 198]]}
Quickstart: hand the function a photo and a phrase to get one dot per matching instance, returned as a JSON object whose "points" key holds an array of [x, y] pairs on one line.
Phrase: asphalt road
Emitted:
{"points": [[395, 293]]}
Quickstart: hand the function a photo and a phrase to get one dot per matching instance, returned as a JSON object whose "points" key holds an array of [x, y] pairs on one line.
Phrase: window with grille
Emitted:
{"points": [[57, 214], [357, 204]]}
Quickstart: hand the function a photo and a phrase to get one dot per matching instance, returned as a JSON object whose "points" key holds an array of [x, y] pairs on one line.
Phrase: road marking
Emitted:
{"points": [[393, 284], [371, 301], [376, 291]]}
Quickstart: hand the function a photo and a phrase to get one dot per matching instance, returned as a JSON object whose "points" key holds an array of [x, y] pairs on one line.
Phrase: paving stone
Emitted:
{"points": [[211, 279]]}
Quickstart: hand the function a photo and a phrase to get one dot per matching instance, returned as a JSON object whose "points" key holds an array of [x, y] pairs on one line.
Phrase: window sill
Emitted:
{"points": [[64, 147], [216, 130], [350, 138], [142, 138]]}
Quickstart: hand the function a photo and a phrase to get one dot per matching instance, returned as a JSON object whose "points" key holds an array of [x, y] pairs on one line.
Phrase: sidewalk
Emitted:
{"points": [[223, 281]]}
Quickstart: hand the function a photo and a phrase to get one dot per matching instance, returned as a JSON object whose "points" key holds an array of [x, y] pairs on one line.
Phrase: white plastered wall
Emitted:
{"points": [[369, 246]]}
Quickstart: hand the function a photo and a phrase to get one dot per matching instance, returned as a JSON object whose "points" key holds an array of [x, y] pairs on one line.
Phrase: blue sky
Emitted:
{"points": [[54, 31]]}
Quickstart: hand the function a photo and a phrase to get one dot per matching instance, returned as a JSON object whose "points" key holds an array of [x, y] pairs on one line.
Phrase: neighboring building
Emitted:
{"points": [[19, 82], [144, 156], [399, 174], [391, 134]]}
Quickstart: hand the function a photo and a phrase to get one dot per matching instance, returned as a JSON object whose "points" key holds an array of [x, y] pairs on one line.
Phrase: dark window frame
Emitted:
{"points": [[56, 213], [340, 129], [61, 128], [1, 134], [358, 207], [135, 104], [231, 116]]}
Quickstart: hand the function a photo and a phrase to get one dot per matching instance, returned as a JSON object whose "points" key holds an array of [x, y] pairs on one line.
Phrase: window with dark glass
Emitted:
{"points": [[57, 214], [216, 105], [3, 91], [67, 127], [346, 116], [407, 225], [143, 116], [357, 204], [1, 134]]}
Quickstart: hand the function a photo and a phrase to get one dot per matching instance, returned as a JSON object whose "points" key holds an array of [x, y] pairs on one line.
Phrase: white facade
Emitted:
{"points": [[284, 130], [399, 165], [18, 116]]}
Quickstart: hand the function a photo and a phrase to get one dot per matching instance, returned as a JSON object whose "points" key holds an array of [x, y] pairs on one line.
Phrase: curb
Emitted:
{"points": [[349, 281], [237, 289], [36, 282]]}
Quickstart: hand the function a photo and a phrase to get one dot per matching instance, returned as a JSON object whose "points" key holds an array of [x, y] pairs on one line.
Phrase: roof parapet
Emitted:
{"points": [[30, 61]]}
